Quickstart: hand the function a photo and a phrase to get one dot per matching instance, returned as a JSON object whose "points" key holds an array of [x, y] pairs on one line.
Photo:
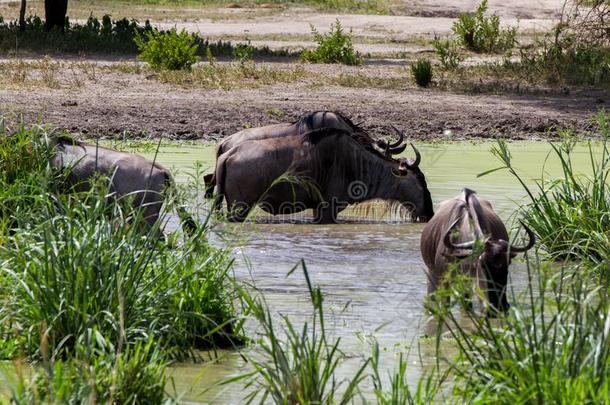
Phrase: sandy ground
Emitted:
{"points": [[136, 103]]}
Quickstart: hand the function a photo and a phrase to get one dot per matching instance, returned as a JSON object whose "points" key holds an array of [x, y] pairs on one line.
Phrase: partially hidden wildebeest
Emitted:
{"points": [[307, 122], [131, 175], [336, 170], [448, 237]]}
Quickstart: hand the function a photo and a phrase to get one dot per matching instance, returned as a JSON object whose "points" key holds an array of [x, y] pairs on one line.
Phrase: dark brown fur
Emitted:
{"points": [[491, 267]]}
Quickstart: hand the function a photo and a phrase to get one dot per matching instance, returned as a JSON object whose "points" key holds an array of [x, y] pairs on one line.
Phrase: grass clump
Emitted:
{"points": [[77, 269], [98, 374], [552, 347], [564, 63], [483, 34], [569, 214], [421, 72], [447, 52], [399, 391], [299, 369], [334, 47], [168, 50]]}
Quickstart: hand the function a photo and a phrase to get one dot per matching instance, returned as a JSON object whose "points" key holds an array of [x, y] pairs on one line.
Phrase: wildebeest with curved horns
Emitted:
{"points": [[305, 123], [490, 268], [339, 167], [130, 174]]}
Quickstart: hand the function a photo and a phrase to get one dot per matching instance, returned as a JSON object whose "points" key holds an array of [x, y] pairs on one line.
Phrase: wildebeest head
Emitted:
{"points": [[409, 170], [492, 264]]}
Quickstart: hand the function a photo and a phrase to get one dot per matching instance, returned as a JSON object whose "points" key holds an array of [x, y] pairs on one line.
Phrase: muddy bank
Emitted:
{"points": [[152, 109]]}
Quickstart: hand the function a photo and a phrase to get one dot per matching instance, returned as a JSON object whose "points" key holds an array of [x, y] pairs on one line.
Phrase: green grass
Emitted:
{"points": [[421, 72], [399, 392], [569, 214], [480, 33], [362, 6], [98, 299], [552, 347], [97, 374], [71, 262]]}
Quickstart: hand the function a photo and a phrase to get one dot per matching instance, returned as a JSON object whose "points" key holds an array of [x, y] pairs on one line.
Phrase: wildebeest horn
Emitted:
{"points": [[417, 158], [456, 246], [401, 138], [530, 244]]}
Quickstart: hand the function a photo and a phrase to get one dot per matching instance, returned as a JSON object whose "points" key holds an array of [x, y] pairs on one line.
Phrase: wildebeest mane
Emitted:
{"points": [[314, 136], [306, 121], [306, 125]]}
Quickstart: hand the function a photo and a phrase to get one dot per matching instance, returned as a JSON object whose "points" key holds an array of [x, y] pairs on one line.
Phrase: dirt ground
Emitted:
{"points": [[115, 103]]}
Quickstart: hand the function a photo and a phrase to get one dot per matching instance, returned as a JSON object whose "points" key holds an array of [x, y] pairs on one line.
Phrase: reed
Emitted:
{"points": [[71, 262], [569, 213], [297, 365], [552, 347]]}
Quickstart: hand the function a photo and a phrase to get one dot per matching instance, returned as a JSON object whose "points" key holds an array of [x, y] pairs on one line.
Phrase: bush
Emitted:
{"points": [[565, 64], [483, 34], [447, 52], [334, 47], [421, 72], [168, 50]]}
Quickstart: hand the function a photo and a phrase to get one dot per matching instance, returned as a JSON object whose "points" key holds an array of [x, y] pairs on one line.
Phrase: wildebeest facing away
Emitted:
{"points": [[131, 175], [490, 268], [339, 170], [305, 123]]}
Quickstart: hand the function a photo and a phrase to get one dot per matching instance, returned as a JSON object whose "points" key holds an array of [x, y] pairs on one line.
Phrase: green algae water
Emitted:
{"points": [[372, 273]]}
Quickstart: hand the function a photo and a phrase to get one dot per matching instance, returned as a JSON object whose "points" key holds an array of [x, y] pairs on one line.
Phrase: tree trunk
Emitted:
{"points": [[55, 14], [22, 16]]}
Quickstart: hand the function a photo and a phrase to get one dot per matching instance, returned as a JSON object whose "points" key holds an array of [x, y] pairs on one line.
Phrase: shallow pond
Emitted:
{"points": [[372, 273]]}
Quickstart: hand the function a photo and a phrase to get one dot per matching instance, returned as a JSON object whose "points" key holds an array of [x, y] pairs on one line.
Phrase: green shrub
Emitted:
{"points": [[564, 63], [421, 72], [243, 52], [569, 214], [483, 34], [334, 47], [168, 50], [114, 36], [448, 53]]}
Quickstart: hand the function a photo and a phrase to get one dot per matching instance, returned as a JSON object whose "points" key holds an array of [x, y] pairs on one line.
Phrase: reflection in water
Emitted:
{"points": [[372, 274]]}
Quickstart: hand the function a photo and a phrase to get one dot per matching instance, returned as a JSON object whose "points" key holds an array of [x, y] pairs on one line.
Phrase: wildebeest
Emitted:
{"points": [[490, 268], [305, 123], [338, 170], [131, 175]]}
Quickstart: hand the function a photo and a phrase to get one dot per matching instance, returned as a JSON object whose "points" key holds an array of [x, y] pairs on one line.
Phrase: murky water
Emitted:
{"points": [[373, 274]]}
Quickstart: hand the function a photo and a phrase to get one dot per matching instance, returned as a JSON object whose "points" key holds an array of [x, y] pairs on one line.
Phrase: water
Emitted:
{"points": [[372, 274]]}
